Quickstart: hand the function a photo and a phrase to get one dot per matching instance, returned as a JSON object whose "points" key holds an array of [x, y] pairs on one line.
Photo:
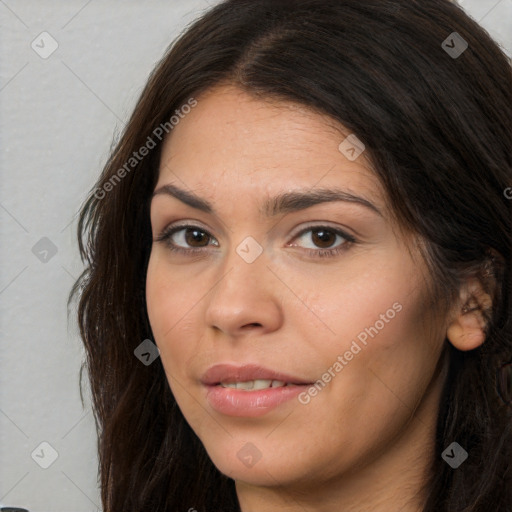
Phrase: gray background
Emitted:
{"points": [[58, 117]]}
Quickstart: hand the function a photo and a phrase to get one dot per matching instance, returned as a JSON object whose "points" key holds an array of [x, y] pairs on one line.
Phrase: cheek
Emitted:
{"points": [[157, 298], [366, 305], [370, 400], [383, 354], [169, 306], [389, 371], [174, 328]]}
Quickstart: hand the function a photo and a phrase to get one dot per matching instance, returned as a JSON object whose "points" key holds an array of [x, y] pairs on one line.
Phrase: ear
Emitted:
{"points": [[467, 327]]}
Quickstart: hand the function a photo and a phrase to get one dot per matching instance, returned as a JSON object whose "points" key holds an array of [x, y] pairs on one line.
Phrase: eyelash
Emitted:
{"points": [[166, 235]]}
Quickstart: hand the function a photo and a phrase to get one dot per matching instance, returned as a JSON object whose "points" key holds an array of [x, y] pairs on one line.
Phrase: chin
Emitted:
{"points": [[243, 462]]}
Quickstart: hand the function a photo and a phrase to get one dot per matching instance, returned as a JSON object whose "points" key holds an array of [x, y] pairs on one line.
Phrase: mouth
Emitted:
{"points": [[248, 377], [257, 385], [249, 390]]}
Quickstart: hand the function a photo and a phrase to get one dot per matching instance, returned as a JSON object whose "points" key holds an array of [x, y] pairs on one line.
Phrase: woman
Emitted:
{"points": [[297, 286]]}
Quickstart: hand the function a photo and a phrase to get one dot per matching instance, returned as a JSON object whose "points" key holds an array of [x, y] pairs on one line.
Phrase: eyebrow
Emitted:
{"points": [[283, 203]]}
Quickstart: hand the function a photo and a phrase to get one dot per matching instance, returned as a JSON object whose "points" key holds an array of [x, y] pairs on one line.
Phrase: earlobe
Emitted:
{"points": [[467, 329]]}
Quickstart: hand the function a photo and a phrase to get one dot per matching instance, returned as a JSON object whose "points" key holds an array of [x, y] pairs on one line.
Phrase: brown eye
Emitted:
{"points": [[194, 237], [186, 238], [324, 241], [191, 239], [323, 238]]}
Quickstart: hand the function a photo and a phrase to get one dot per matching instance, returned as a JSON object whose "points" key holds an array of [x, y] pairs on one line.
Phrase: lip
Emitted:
{"points": [[233, 373], [249, 404]]}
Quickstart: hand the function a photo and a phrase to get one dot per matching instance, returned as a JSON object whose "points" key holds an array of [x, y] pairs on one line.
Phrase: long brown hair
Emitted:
{"points": [[437, 127]]}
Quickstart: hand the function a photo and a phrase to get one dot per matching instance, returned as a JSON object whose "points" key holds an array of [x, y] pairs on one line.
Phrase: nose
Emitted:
{"points": [[246, 297]]}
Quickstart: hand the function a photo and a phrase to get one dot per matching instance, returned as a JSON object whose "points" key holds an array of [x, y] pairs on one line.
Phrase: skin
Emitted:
{"points": [[366, 440]]}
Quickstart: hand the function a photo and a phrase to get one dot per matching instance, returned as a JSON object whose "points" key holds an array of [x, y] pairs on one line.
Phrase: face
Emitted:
{"points": [[318, 292]]}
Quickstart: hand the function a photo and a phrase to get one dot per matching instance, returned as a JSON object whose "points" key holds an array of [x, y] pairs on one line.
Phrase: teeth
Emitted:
{"points": [[255, 385], [228, 385]]}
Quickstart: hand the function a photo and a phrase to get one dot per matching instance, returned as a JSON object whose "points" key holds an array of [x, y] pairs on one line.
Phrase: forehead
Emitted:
{"points": [[236, 139]]}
